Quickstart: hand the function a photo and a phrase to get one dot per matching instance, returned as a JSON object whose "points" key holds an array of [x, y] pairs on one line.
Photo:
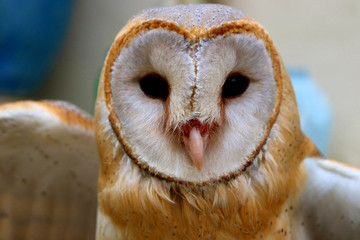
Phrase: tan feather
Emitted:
{"points": [[48, 170]]}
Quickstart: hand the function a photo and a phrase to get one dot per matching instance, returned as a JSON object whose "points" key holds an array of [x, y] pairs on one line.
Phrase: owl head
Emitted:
{"points": [[196, 94], [196, 121]]}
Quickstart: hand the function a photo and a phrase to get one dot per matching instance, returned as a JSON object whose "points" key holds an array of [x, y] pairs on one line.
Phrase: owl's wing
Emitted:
{"points": [[329, 207], [48, 171]]}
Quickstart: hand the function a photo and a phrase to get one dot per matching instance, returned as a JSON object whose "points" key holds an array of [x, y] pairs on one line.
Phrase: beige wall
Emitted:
{"points": [[323, 36]]}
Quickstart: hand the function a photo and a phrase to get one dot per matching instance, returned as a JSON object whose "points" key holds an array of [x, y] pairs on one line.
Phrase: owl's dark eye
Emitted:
{"points": [[155, 86], [235, 85]]}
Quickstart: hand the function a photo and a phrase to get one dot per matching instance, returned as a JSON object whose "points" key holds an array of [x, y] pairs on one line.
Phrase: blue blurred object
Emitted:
{"points": [[316, 116], [31, 33]]}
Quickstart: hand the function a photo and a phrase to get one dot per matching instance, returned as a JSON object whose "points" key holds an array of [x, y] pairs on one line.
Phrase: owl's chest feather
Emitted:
{"points": [[182, 221], [213, 213]]}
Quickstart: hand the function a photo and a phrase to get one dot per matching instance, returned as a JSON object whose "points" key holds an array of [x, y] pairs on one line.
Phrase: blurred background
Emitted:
{"points": [[55, 50]]}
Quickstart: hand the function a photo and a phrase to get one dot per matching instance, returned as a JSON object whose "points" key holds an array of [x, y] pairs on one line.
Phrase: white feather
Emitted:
{"points": [[142, 119]]}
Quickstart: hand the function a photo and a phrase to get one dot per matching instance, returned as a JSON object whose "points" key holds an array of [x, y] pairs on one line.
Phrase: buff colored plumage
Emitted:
{"points": [[48, 169], [181, 158]]}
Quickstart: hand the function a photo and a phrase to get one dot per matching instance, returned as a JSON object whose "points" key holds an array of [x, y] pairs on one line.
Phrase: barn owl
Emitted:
{"points": [[198, 137]]}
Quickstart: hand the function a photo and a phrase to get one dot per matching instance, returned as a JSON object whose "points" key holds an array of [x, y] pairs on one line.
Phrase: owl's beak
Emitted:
{"points": [[195, 138]]}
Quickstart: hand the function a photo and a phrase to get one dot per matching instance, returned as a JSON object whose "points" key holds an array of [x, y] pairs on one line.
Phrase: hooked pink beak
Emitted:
{"points": [[195, 137]]}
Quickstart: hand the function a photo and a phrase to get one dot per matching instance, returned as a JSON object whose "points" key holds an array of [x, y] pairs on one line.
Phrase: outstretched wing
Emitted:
{"points": [[330, 204], [48, 171]]}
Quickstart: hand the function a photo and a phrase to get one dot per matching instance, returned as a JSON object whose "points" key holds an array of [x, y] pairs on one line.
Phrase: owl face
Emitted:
{"points": [[192, 100]]}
